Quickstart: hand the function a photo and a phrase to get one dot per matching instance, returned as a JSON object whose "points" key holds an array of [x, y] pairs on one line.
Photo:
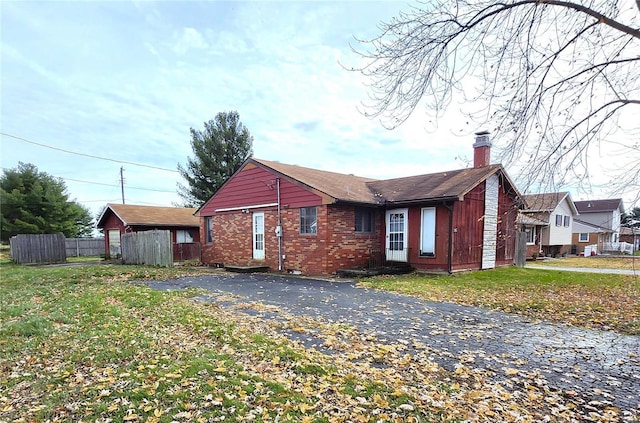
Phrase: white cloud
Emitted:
{"points": [[188, 39]]}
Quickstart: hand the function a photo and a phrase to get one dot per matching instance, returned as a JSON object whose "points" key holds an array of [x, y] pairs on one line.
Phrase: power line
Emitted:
{"points": [[117, 186], [87, 155], [106, 185]]}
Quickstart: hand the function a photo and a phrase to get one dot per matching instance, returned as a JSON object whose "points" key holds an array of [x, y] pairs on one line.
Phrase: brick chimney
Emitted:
{"points": [[482, 149]]}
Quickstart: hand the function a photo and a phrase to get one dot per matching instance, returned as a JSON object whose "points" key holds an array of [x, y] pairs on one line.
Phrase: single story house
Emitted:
{"points": [[118, 219], [547, 221], [598, 224], [302, 220]]}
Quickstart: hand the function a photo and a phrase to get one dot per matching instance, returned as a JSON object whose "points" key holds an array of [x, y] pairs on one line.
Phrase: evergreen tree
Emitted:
{"points": [[631, 219], [219, 150], [37, 203]]}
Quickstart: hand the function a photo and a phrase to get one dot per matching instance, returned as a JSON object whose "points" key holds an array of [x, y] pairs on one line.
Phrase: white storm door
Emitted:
{"points": [[396, 242], [258, 236]]}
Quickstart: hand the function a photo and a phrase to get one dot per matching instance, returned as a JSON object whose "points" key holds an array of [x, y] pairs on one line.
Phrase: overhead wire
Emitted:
{"points": [[86, 155]]}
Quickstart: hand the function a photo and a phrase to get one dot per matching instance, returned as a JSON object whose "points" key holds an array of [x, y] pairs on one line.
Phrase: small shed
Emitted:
{"points": [[118, 219]]}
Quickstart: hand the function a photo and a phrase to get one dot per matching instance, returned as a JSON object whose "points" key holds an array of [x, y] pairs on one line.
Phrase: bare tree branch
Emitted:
{"points": [[553, 78]]}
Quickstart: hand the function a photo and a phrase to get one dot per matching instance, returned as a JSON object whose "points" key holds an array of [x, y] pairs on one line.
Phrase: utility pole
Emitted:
{"points": [[122, 182]]}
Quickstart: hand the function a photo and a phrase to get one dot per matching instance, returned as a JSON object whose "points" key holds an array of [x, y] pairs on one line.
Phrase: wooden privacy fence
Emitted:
{"points": [[38, 248], [84, 247], [149, 247]]}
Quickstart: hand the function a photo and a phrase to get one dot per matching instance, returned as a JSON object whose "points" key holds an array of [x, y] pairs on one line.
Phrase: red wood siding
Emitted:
{"points": [[468, 226], [440, 260], [112, 222], [254, 186]]}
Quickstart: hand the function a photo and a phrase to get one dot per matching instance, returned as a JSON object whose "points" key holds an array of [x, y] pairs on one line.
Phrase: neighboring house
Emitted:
{"points": [[547, 222], [598, 224], [297, 219], [117, 219]]}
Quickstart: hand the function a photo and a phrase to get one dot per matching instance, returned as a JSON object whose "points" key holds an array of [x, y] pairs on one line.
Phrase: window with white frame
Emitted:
{"points": [[567, 221], [428, 232], [558, 220], [530, 232], [308, 220], [583, 237]]}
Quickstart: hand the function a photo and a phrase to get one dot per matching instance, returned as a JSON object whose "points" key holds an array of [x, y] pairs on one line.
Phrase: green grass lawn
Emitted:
{"points": [[85, 344], [580, 299], [88, 344]]}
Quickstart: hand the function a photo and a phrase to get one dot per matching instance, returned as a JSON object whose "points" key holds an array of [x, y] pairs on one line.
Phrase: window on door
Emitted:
{"points": [[428, 232], [396, 231], [258, 236]]}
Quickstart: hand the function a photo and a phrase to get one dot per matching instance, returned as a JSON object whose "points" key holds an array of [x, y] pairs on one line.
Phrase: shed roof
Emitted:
{"points": [[133, 215], [598, 206]]}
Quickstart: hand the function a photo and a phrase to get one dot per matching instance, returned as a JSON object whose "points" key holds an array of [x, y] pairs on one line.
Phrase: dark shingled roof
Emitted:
{"points": [[349, 188], [432, 186], [133, 215], [596, 206]]}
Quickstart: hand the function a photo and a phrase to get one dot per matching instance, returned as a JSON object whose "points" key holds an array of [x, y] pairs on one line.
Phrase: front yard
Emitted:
{"points": [[595, 262], [86, 344], [591, 300]]}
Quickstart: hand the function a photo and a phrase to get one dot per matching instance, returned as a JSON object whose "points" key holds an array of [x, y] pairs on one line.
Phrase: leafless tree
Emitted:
{"points": [[556, 81]]}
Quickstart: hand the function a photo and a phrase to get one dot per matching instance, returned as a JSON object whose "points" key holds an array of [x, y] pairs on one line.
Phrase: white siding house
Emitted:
{"points": [[548, 220]]}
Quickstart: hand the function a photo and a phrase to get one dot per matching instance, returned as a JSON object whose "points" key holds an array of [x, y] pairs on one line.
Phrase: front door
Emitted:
{"points": [[258, 236], [396, 242]]}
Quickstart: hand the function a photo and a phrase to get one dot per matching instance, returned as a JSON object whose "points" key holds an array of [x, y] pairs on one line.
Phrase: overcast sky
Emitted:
{"points": [[126, 80]]}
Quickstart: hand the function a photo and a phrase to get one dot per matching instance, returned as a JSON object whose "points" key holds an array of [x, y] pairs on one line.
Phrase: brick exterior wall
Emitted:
{"points": [[594, 239], [335, 246]]}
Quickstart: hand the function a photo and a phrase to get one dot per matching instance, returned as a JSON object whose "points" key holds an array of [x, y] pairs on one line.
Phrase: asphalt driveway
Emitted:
{"points": [[597, 366]]}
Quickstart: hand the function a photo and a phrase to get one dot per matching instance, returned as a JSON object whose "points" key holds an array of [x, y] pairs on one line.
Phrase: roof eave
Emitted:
{"points": [[326, 198], [424, 200]]}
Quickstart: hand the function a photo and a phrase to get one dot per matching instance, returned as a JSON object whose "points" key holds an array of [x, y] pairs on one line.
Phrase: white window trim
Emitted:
{"points": [[428, 237], [580, 237], [532, 229]]}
